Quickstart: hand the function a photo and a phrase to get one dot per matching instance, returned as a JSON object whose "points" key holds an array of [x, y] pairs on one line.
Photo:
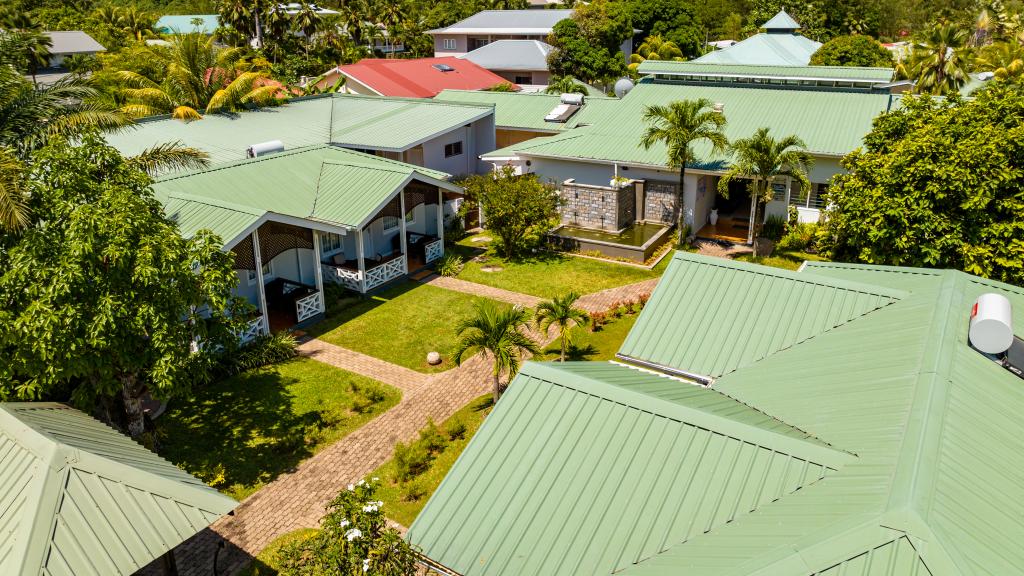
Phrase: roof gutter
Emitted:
{"points": [[705, 380]]}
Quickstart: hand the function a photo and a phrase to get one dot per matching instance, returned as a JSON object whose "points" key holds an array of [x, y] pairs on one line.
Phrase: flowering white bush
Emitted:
{"points": [[354, 540]]}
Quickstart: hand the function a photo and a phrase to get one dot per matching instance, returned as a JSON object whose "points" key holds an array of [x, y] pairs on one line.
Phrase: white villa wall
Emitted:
{"points": [[244, 290], [296, 265], [461, 45], [705, 200], [485, 140], [478, 138]]}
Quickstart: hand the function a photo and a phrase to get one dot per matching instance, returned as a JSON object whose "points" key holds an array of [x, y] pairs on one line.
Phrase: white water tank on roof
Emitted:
{"points": [[264, 148], [572, 98], [991, 328]]}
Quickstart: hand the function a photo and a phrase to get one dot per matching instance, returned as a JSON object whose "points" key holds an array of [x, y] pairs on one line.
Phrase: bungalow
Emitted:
{"points": [[444, 136], [522, 62], [78, 497], [71, 43], [610, 181], [298, 218], [205, 24], [837, 420], [489, 26], [405, 77], [778, 45]]}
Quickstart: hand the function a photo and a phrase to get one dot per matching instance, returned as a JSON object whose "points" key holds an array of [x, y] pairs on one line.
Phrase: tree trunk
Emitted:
{"points": [[259, 31], [682, 213], [497, 388], [131, 394], [562, 359]]}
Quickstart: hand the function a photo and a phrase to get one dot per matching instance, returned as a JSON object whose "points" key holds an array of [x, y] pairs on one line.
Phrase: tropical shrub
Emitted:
{"points": [[450, 265], [411, 460], [262, 351], [853, 50], [799, 238], [519, 209], [774, 227], [354, 539]]}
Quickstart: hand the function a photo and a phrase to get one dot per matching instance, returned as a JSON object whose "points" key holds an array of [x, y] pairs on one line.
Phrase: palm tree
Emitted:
{"points": [[136, 23], [200, 76], [763, 159], [561, 312], [13, 209], [1004, 59], [498, 333], [678, 126], [169, 156], [940, 62], [307, 21], [566, 85]]}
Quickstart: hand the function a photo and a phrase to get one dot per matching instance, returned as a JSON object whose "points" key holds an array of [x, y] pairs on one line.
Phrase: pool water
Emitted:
{"points": [[635, 235]]}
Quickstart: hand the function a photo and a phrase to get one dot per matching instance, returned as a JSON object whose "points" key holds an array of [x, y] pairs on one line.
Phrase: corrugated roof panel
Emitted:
{"points": [[393, 123], [193, 214], [348, 194], [760, 311], [697, 68], [621, 482], [77, 498], [765, 49], [895, 558]]}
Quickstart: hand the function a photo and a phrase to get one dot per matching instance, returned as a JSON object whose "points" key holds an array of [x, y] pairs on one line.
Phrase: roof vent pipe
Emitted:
{"points": [[991, 328], [719, 107], [264, 148]]}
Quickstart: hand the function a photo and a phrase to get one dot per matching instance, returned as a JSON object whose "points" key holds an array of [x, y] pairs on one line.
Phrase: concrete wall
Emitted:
{"points": [[660, 201], [599, 207], [537, 77], [461, 45]]}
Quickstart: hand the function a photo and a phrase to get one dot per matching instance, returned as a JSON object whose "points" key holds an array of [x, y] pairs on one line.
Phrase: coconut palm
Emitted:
{"points": [[763, 159], [940, 62], [13, 209], [499, 334], [306, 20], [1004, 59], [169, 156], [561, 312], [136, 23], [566, 85], [678, 126], [200, 76]]}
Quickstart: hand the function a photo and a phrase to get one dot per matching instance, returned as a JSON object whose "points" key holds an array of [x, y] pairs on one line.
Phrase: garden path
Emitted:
{"points": [[297, 499]]}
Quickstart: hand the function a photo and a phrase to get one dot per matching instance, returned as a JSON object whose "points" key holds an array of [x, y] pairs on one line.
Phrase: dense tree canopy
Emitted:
{"points": [[939, 184], [518, 209], [588, 45], [102, 299], [853, 50]]}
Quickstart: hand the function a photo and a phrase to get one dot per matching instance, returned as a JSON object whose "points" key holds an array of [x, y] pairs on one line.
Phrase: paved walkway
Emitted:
{"points": [[297, 499]]}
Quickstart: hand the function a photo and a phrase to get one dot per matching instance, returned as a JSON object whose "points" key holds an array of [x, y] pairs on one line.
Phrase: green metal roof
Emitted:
{"points": [[765, 49], [354, 121], [78, 498], [769, 310], [933, 485], [525, 110], [781, 21], [628, 474], [321, 183], [824, 73], [831, 123]]}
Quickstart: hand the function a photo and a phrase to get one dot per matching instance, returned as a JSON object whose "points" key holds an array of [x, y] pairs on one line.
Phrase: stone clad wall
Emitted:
{"points": [[661, 201], [597, 206]]}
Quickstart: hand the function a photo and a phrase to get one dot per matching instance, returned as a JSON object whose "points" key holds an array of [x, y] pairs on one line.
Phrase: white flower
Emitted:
{"points": [[351, 487], [366, 565], [370, 508], [345, 523], [361, 482], [353, 534], [375, 479], [380, 503]]}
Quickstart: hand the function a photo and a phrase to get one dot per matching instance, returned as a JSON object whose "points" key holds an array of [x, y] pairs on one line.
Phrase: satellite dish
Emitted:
{"points": [[622, 87]]}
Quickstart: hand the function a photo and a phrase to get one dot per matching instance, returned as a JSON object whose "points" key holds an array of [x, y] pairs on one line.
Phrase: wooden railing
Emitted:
{"points": [[253, 330], [345, 276], [433, 251], [385, 272], [309, 306]]}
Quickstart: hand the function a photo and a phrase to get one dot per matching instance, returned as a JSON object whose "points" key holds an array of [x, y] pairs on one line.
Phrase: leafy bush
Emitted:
{"points": [[457, 430], [411, 460], [774, 227], [450, 265], [597, 321], [432, 439], [414, 491], [799, 238], [454, 229], [262, 351], [354, 538]]}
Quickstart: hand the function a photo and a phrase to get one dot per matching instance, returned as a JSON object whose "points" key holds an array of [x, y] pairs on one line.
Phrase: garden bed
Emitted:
{"points": [[242, 432]]}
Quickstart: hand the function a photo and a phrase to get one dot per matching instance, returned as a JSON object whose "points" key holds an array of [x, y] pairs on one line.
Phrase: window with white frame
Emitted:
{"points": [[453, 149], [252, 277], [449, 44], [391, 223], [268, 270], [808, 198], [330, 242], [410, 217]]}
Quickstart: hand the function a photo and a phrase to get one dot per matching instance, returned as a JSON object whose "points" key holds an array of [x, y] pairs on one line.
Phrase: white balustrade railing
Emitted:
{"points": [[253, 330], [344, 276], [434, 250], [386, 271], [309, 306]]}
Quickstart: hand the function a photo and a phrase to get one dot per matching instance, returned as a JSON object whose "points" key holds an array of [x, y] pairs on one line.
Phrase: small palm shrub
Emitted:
{"points": [[799, 238], [432, 439], [262, 351], [450, 265], [411, 460], [774, 227]]}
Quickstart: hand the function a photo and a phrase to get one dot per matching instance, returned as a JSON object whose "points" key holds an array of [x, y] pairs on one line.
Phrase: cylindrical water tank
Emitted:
{"points": [[264, 148], [991, 324]]}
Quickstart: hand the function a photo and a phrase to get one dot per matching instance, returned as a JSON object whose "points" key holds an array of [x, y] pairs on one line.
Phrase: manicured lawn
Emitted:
{"points": [[401, 325], [404, 500], [242, 432], [785, 260], [599, 345], [548, 274]]}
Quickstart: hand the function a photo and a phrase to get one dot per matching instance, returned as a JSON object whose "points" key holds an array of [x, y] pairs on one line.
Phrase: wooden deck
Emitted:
{"points": [[727, 229]]}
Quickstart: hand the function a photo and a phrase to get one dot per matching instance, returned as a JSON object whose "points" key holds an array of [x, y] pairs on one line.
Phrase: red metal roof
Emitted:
{"points": [[419, 77]]}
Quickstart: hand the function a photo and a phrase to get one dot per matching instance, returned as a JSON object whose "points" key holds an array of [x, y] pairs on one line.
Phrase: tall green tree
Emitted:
{"points": [[101, 295], [561, 312], [519, 210], [565, 85], [939, 61], [679, 126], [854, 50], [500, 334], [200, 76], [939, 183], [655, 48], [588, 45], [762, 159]]}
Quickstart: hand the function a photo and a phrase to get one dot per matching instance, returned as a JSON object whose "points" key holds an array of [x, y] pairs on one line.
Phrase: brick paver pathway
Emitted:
{"points": [[297, 499]]}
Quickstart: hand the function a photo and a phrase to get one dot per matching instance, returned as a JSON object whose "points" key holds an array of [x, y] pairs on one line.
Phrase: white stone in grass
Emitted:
{"points": [[433, 358]]}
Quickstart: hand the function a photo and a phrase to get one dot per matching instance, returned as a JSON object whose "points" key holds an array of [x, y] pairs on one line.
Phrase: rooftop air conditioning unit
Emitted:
{"points": [[264, 148]]}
